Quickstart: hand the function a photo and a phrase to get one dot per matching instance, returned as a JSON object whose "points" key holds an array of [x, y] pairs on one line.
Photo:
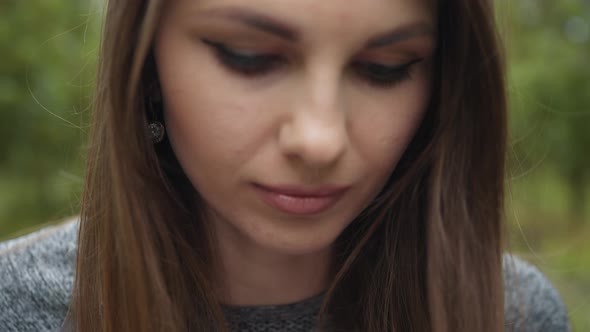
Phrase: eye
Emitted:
{"points": [[383, 75], [248, 64]]}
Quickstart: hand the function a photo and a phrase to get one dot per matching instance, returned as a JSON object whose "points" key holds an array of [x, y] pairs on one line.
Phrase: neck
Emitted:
{"points": [[251, 275]]}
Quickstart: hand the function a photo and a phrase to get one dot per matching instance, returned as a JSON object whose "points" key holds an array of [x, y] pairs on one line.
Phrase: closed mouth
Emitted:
{"points": [[300, 200]]}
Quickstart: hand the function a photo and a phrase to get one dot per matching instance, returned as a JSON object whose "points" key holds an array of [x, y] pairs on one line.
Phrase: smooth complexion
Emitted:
{"points": [[288, 117]]}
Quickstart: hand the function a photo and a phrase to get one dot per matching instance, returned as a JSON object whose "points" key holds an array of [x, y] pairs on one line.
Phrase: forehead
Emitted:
{"points": [[317, 16]]}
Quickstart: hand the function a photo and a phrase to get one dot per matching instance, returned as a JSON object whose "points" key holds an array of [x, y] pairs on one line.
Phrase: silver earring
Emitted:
{"points": [[157, 131]]}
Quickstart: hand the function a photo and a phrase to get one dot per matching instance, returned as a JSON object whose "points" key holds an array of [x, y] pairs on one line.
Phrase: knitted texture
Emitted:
{"points": [[37, 273], [531, 303], [295, 317], [36, 276]]}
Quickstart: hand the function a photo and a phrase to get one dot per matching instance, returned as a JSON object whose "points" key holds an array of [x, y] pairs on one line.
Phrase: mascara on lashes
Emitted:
{"points": [[248, 64], [259, 64]]}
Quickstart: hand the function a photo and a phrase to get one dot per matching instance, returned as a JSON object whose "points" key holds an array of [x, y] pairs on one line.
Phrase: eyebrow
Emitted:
{"points": [[284, 31], [400, 34], [257, 21]]}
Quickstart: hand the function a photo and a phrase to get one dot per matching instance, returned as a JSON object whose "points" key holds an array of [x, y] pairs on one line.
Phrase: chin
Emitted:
{"points": [[296, 238], [294, 246]]}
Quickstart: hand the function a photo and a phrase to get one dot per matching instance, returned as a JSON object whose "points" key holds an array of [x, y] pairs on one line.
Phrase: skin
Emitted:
{"points": [[310, 120]]}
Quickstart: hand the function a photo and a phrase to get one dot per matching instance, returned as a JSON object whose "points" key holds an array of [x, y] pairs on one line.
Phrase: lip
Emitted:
{"points": [[300, 200]]}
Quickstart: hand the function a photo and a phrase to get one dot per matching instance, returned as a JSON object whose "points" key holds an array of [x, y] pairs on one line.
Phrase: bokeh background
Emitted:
{"points": [[47, 66]]}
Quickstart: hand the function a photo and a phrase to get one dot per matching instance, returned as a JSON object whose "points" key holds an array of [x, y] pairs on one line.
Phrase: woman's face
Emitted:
{"points": [[289, 116]]}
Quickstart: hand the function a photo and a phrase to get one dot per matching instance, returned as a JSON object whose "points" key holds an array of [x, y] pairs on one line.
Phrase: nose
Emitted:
{"points": [[315, 132]]}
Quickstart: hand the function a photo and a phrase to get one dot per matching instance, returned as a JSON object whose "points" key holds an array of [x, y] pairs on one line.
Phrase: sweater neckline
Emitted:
{"points": [[307, 307]]}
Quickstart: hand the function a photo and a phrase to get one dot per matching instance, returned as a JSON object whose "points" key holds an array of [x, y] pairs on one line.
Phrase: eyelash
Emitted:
{"points": [[260, 64], [245, 64], [381, 75]]}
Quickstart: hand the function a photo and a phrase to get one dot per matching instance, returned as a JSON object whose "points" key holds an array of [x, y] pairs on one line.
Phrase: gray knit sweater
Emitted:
{"points": [[37, 271]]}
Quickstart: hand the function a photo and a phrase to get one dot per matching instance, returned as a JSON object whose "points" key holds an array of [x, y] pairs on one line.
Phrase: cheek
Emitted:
{"points": [[209, 120], [214, 135], [209, 137], [384, 125]]}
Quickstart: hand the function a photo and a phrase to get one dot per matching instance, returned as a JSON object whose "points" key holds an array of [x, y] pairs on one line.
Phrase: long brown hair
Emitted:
{"points": [[425, 256]]}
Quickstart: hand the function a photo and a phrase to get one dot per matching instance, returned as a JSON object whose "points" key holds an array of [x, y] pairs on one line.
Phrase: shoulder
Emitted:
{"points": [[531, 302], [36, 277]]}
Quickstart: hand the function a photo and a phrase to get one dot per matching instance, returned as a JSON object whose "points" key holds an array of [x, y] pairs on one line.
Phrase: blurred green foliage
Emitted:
{"points": [[548, 194], [549, 44], [49, 50]]}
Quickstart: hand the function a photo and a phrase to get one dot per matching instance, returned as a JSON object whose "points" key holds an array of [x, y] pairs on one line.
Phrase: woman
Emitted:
{"points": [[287, 165]]}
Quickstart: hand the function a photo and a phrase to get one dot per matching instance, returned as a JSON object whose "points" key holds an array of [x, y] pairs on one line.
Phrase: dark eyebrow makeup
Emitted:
{"points": [[257, 21], [401, 34], [284, 31]]}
